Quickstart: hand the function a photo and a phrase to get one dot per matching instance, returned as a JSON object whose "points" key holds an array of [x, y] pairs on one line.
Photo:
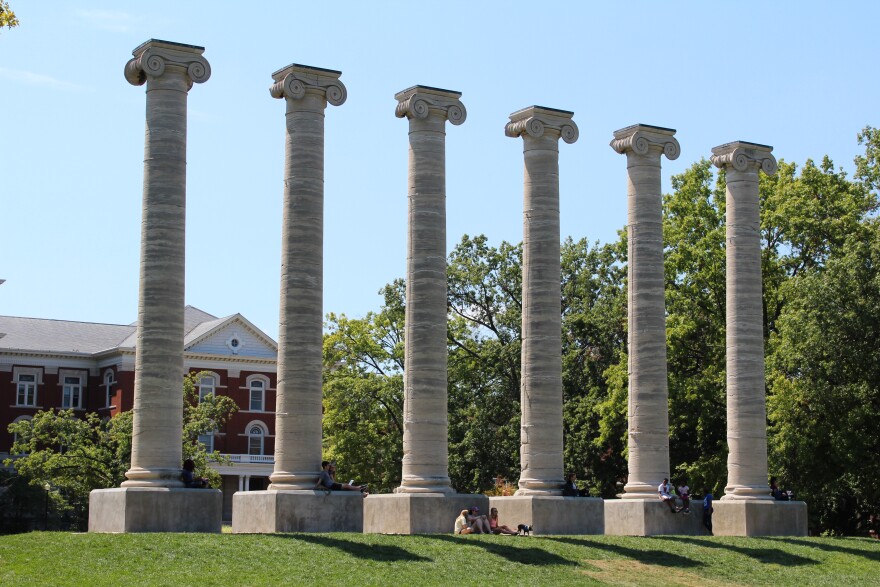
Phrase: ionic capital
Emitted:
{"points": [[539, 121], [155, 58], [743, 156], [295, 81], [420, 101], [642, 139]]}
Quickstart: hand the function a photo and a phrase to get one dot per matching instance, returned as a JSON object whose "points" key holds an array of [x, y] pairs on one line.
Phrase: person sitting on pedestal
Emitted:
{"points": [[327, 480], [188, 477], [684, 492], [667, 496]]}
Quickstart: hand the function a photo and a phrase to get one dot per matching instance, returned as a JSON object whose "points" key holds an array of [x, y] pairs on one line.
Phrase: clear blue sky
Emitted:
{"points": [[801, 76]]}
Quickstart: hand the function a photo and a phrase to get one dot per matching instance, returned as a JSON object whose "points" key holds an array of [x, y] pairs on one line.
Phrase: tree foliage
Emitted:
{"points": [[7, 16], [70, 455]]}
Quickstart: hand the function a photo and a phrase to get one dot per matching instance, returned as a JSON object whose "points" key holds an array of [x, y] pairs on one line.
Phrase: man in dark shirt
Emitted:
{"points": [[327, 480]]}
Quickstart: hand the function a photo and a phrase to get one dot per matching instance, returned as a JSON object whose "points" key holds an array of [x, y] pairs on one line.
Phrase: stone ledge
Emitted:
{"points": [[266, 512], [417, 513], [155, 509], [760, 518], [644, 517], [552, 514]]}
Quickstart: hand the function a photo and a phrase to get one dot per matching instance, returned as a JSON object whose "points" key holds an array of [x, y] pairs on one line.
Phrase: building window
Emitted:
{"points": [[207, 385], [15, 434], [258, 395], [109, 380], [71, 395], [207, 440], [256, 439], [27, 390]]}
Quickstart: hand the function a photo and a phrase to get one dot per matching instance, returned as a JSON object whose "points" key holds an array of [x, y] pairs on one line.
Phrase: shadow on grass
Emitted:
{"points": [[518, 553], [372, 552], [762, 555], [653, 557], [868, 554]]}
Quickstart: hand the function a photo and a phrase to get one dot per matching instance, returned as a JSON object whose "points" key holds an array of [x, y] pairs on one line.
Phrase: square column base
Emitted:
{"points": [[552, 514], [644, 517], [266, 512], [418, 513], [759, 518], [155, 509]]}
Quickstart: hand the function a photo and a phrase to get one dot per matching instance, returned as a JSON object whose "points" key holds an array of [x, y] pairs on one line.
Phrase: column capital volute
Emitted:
{"points": [[154, 58], [420, 101], [539, 121], [642, 139], [744, 156], [295, 80]]}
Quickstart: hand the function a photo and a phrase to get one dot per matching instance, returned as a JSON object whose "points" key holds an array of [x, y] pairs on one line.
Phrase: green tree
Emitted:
{"points": [[363, 392], [7, 16], [73, 455]]}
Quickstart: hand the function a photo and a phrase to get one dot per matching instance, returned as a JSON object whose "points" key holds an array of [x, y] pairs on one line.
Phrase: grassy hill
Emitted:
{"points": [[58, 559]]}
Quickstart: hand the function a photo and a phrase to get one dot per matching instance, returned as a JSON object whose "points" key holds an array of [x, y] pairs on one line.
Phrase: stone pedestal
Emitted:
{"points": [[264, 512], [742, 517], [552, 514], [651, 517], [155, 509], [418, 513]]}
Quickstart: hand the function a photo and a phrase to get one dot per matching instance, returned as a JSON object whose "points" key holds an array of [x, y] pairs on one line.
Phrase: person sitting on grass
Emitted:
{"points": [[479, 523], [327, 480], [189, 478], [667, 495], [462, 526], [496, 527]]}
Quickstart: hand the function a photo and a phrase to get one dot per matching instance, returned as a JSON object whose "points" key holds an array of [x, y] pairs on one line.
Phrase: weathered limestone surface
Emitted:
{"points": [[647, 412], [759, 517], [425, 435], [169, 71], [264, 512], [417, 513], [306, 90], [746, 411], [645, 517], [552, 514], [155, 509], [541, 386]]}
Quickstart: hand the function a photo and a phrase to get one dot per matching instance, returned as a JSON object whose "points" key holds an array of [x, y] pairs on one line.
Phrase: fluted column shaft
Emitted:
{"points": [[425, 432], [746, 411], [541, 458], [298, 429], [169, 70], [647, 410]]}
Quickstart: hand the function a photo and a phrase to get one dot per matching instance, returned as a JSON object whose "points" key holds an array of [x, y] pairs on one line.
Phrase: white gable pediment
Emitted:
{"points": [[233, 337]]}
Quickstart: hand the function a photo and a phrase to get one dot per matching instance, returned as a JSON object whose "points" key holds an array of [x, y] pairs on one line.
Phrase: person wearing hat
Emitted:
{"points": [[479, 523]]}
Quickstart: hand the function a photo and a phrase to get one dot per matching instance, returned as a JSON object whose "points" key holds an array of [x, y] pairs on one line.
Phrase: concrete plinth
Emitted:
{"points": [[643, 517], [418, 513], [552, 514], [264, 512], [759, 518], [155, 509]]}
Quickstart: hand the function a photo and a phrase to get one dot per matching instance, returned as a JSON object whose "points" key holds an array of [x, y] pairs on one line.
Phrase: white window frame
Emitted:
{"points": [[264, 382], [34, 384], [109, 382], [206, 389], [15, 435], [207, 440], [71, 392], [261, 435]]}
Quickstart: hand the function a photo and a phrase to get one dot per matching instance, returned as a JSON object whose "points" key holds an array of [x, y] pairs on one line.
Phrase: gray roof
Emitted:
{"points": [[62, 336]]}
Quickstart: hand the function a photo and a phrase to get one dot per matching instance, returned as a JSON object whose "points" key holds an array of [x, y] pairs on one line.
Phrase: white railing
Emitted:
{"points": [[265, 459]]}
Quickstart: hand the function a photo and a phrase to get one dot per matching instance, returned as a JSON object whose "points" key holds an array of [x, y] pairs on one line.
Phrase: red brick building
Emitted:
{"points": [[89, 367]]}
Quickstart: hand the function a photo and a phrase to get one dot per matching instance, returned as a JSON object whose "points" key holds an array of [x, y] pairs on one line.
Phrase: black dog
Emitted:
{"points": [[524, 530]]}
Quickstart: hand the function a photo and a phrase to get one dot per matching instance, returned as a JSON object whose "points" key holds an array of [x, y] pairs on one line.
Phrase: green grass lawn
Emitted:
{"points": [[54, 558]]}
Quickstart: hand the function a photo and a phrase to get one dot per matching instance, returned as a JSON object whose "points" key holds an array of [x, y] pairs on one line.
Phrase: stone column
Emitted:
{"points": [[541, 387], [647, 412], [425, 434], [169, 70], [746, 411], [307, 90]]}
